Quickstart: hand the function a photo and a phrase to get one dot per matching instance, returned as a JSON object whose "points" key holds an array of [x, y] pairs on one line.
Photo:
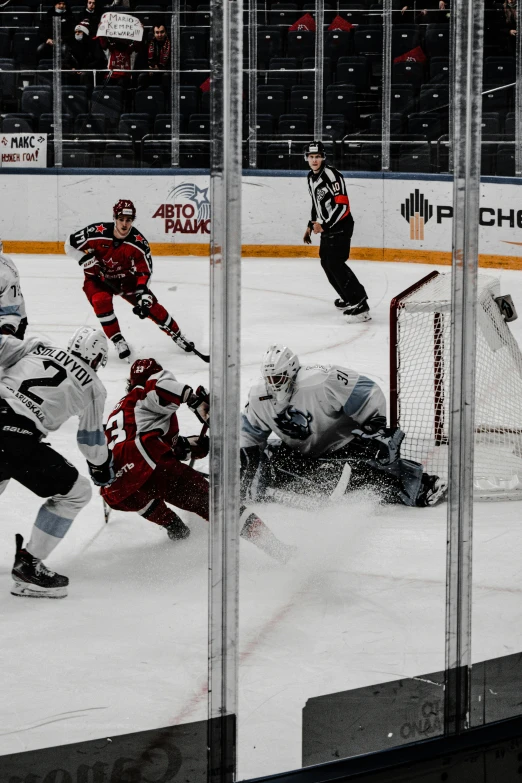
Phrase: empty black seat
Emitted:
{"points": [[117, 160], [188, 100], [439, 69], [341, 99], [150, 101], [505, 164], [414, 161], [271, 99], [431, 125], [496, 97], [490, 123], [334, 126], [302, 101], [109, 102], [291, 125], [25, 44], [199, 125], [402, 98], [90, 123], [434, 98], [283, 71], [77, 158], [18, 123], [75, 100], [284, 14], [308, 76], [5, 43], [404, 39], [198, 71], [194, 43], [436, 40], [408, 73], [499, 70], [278, 156], [135, 125], [300, 44], [8, 79], [337, 43], [46, 123], [368, 40], [269, 45], [37, 100]]}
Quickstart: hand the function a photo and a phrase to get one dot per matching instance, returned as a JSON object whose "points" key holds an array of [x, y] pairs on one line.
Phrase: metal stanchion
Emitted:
{"points": [[57, 92], [225, 263], [466, 140]]}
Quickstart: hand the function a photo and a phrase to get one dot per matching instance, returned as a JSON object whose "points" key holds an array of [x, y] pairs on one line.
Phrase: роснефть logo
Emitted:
{"points": [[417, 211]]}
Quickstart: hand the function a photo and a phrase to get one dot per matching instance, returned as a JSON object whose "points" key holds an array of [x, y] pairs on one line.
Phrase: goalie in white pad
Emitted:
{"points": [[325, 416]]}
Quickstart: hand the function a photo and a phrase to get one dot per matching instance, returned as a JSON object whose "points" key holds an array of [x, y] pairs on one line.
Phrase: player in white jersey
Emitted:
{"points": [[326, 417], [13, 318], [41, 386]]}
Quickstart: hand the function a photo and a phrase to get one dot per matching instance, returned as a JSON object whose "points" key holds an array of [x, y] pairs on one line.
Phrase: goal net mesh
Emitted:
{"points": [[422, 365]]}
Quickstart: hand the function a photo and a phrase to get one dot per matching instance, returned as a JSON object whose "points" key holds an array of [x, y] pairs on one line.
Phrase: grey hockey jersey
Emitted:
{"points": [[327, 404], [12, 305]]}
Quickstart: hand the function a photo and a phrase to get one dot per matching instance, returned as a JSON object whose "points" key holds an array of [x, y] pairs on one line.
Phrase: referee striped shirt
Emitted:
{"points": [[330, 203]]}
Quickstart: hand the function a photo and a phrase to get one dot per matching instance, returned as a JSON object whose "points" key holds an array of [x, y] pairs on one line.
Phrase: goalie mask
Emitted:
{"points": [[279, 368], [90, 345]]}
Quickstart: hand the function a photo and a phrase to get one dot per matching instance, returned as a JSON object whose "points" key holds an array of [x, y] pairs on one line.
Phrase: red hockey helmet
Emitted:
{"points": [[125, 208], [141, 371]]}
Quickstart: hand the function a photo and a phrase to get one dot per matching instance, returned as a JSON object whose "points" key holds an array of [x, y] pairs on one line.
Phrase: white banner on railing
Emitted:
{"points": [[23, 150], [126, 26]]}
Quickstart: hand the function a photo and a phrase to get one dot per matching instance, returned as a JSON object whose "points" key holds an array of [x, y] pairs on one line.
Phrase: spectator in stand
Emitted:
{"points": [[120, 3], [61, 10], [508, 27], [90, 16], [158, 56], [83, 54], [121, 56], [434, 11]]}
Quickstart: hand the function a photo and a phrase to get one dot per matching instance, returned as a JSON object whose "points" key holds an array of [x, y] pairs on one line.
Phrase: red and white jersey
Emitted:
{"points": [[124, 263], [141, 429]]}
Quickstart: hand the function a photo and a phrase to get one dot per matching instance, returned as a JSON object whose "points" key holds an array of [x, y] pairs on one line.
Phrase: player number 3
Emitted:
{"points": [[116, 426]]}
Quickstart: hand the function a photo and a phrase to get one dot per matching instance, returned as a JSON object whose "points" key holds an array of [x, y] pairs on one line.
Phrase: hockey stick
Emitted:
{"points": [[106, 511], [201, 435], [310, 503]]}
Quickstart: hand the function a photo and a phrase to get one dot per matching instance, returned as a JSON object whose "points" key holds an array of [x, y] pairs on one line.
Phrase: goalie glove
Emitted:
{"points": [[387, 441], [144, 302], [8, 329], [199, 403], [102, 475]]}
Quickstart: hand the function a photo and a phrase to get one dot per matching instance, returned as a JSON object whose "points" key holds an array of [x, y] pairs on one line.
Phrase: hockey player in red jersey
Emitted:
{"points": [[116, 260], [143, 434]]}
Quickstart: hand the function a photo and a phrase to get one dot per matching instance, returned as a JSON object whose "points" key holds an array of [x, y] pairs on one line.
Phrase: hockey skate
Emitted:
{"points": [[122, 347], [358, 313], [32, 579], [340, 304], [177, 529], [434, 490]]}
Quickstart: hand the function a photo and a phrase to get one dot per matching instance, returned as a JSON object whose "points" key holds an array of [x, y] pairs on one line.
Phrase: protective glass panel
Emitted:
{"points": [[110, 682], [341, 592]]}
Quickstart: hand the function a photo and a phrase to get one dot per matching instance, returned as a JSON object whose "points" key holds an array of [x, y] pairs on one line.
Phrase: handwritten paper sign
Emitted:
{"points": [[23, 150], [113, 25]]}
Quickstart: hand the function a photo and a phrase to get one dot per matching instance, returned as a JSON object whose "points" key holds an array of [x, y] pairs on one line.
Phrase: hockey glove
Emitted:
{"points": [[199, 402], [7, 329], [102, 475], [22, 326], [195, 447], [386, 441], [88, 262], [144, 303], [307, 239]]}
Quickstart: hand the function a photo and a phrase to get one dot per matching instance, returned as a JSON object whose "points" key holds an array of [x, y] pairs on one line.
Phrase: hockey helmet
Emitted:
{"points": [[141, 371], [314, 148], [124, 208], [279, 368], [90, 345]]}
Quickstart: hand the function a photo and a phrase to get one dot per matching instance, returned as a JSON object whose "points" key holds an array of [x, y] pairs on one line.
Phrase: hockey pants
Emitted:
{"points": [[35, 465], [334, 252], [171, 482], [100, 295]]}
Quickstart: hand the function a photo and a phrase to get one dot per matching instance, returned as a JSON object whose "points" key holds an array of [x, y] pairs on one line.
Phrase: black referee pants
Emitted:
{"points": [[334, 252]]}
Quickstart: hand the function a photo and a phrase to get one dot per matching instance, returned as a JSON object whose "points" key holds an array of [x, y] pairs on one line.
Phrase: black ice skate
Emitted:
{"points": [[341, 304], [177, 529], [122, 347], [32, 579], [357, 313], [434, 490]]}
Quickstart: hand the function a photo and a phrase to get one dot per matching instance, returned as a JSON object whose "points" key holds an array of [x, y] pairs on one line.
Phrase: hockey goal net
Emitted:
{"points": [[420, 342]]}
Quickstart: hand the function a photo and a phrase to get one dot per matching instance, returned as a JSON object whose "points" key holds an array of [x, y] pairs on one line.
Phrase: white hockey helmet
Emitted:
{"points": [[90, 345], [279, 367]]}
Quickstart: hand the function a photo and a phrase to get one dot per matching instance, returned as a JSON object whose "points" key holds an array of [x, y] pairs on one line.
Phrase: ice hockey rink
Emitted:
{"points": [[362, 602]]}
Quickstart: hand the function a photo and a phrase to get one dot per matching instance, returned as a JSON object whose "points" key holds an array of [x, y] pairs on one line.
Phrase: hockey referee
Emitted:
{"points": [[333, 220]]}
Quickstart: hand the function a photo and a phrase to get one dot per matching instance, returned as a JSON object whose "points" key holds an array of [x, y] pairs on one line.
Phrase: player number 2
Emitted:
{"points": [[116, 427]]}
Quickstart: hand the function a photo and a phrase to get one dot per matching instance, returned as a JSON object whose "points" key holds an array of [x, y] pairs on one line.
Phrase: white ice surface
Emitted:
{"points": [[362, 603]]}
